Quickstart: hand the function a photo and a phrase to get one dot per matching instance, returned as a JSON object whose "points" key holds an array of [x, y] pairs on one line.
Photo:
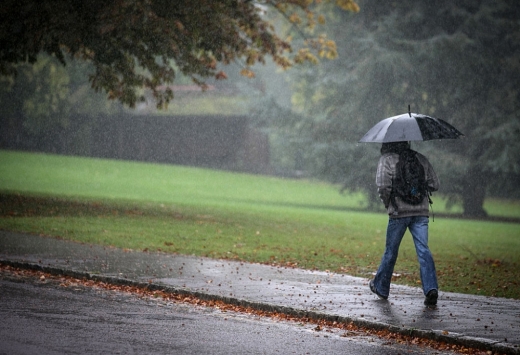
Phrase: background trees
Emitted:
{"points": [[45, 100], [457, 61], [142, 44]]}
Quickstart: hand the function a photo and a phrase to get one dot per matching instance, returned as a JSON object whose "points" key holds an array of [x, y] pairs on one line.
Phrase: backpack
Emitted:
{"points": [[409, 183]]}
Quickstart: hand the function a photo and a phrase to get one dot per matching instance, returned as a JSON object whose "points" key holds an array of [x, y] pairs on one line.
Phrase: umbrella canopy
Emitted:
{"points": [[410, 127]]}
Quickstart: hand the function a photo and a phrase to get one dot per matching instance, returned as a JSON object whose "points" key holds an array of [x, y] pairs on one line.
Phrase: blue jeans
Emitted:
{"points": [[418, 226]]}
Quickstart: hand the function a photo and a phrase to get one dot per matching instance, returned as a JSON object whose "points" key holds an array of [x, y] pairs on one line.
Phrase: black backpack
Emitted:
{"points": [[409, 183]]}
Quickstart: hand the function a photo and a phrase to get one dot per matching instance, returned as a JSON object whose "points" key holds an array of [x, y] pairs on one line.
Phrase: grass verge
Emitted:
{"points": [[243, 217]]}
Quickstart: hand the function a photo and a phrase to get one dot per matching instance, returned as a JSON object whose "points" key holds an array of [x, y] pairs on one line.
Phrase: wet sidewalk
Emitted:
{"points": [[484, 322]]}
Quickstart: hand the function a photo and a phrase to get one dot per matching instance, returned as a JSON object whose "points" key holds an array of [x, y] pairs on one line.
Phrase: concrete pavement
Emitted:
{"points": [[484, 322]]}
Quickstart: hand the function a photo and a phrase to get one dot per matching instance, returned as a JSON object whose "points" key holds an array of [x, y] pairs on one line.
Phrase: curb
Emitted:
{"points": [[449, 338]]}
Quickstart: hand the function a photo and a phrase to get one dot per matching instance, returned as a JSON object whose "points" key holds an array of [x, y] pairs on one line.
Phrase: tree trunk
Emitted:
{"points": [[474, 193]]}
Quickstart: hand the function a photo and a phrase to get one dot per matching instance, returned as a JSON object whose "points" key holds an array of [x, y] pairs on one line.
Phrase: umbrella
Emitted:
{"points": [[410, 127]]}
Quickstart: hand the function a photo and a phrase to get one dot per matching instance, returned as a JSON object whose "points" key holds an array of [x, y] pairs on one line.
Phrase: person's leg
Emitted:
{"points": [[419, 229], [394, 234]]}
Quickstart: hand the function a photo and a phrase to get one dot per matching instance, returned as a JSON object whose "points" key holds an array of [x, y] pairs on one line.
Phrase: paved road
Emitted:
{"points": [[47, 319], [486, 322]]}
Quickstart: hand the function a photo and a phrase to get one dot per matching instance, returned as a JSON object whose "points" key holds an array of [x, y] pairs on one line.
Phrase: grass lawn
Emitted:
{"points": [[246, 217]]}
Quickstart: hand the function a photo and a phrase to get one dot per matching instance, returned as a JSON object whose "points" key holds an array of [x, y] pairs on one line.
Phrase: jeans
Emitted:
{"points": [[418, 226]]}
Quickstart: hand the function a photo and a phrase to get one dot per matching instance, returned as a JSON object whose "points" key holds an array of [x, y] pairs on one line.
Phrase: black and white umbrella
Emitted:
{"points": [[410, 127]]}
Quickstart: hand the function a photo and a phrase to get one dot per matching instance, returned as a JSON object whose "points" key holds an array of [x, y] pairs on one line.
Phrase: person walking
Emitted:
{"points": [[404, 215]]}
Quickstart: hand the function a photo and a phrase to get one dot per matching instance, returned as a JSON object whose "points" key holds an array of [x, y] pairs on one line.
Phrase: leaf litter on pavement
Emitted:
{"points": [[317, 325]]}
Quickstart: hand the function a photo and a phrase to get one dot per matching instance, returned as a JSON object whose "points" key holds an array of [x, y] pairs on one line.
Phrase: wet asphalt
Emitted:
{"points": [[484, 322], [40, 317]]}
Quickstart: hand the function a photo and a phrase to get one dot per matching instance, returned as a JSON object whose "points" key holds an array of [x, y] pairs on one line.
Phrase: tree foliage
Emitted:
{"points": [[142, 44], [454, 60], [47, 100]]}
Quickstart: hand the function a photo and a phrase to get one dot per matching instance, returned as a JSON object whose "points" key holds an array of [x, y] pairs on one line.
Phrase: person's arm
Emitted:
{"points": [[384, 177], [431, 178]]}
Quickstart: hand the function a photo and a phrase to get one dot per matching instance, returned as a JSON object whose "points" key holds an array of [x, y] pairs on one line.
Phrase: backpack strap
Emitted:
{"points": [[392, 199]]}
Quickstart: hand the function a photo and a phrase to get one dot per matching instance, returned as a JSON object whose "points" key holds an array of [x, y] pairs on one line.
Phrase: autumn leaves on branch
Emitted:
{"points": [[138, 45]]}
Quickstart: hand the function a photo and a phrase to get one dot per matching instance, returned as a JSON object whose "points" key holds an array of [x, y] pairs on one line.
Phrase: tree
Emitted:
{"points": [[453, 60], [46, 101], [141, 44], [464, 58]]}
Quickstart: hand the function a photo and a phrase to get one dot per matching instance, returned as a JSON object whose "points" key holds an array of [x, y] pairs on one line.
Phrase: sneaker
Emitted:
{"points": [[431, 298], [373, 289]]}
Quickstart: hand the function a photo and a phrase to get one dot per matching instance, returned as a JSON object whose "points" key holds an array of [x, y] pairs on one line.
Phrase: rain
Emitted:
{"points": [[241, 159], [304, 121]]}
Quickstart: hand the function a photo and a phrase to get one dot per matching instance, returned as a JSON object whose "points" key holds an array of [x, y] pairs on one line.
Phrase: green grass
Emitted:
{"points": [[107, 179], [244, 217]]}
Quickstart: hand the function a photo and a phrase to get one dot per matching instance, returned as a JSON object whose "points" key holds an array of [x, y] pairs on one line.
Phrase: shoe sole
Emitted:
{"points": [[373, 289]]}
